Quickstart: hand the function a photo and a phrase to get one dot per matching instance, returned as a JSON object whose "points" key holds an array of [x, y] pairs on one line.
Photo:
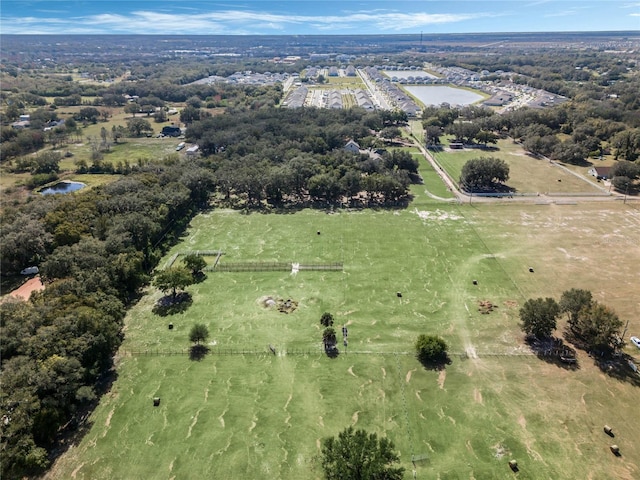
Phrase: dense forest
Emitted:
{"points": [[296, 157]]}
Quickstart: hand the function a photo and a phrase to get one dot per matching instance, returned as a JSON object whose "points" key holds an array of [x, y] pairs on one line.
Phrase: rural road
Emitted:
{"points": [[540, 199]]}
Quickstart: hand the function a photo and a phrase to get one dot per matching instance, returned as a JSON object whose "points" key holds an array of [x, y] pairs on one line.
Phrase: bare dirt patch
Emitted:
{"points": [[354, 417], [500, 451], [24, 291], [409, 373], [441, 378], [485, 307], [522, 421], [477, 396], [282, 305]]}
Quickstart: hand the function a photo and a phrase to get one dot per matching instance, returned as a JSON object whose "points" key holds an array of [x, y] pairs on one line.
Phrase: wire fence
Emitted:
{"points": [[210, 253], [160, 352], [273, 267]]}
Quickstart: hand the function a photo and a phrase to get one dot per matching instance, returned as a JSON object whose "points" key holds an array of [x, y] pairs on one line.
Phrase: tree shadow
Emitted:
{"points": [[331, 351], [618, 366], [554, 351], [199, 277], [169, 305], [435, 364], [198, 352], [71, 434]]}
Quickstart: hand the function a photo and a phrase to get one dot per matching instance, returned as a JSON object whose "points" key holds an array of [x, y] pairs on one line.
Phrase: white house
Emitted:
{"points": [[193, 150], [352, 146]]}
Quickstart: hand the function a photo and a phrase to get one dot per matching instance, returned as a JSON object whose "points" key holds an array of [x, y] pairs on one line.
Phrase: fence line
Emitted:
{"points": [[174, 257], [272, 267], [311, 351]]}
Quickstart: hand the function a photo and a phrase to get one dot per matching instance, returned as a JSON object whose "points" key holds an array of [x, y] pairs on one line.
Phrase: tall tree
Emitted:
{"points": [[194, 262], [138, 126], [538, 316], [574, 300], [199, 333], [431, 349], [358, 455], [483, 173], [598, 326], [173, 279], [326, 319]]}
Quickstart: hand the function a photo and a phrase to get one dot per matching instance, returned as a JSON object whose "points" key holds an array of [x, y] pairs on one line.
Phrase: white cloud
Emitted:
{"points": [[233, 22]]}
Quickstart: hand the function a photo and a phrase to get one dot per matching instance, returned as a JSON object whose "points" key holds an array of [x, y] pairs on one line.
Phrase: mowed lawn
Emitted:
{"points": [[526, 173], [259, 415]]}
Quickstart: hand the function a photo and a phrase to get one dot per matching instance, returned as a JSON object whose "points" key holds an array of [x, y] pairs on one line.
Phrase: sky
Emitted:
{"points": [[314, 17]]}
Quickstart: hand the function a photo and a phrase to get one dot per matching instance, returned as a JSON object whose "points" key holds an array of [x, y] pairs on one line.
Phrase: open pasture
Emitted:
{"points": [[259, 415], [527, 174]]}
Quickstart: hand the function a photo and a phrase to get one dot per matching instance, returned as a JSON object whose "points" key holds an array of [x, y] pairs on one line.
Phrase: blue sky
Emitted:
{"points": [[294, 17]]}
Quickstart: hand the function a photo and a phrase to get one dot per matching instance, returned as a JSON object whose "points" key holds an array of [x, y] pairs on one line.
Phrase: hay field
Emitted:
{"points": [[260, 415]]}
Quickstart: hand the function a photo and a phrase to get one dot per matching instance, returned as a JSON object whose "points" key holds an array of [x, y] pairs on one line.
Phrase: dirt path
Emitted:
{"points": [[24, 291]]}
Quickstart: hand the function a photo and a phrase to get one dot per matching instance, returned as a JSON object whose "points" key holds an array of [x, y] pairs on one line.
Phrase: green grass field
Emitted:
{"points": [[527, 174], [258, 415]]}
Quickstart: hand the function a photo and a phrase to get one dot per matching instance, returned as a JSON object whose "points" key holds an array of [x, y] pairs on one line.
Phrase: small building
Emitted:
{"points": [[601, 173], [171, 131], [191, 151], [352, 146]]}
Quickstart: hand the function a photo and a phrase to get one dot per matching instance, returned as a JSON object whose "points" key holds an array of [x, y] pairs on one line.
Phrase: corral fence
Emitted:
{"points": [[219, 266], [273, 267], [207, 253]]}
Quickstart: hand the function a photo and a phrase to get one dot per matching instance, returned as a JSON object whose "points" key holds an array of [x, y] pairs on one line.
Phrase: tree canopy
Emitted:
{"points": [[431, 349], [538, 316], [573, 301], [483, 174], [597, 327], [199, 333], [173, 279], [195, 263], [358, 455]]}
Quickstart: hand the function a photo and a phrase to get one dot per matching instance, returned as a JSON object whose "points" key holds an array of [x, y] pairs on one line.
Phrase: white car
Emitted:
{"points": [[635, 341]]}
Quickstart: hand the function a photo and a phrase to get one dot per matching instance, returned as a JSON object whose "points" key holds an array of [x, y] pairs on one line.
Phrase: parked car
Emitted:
{"points": [[180, 146], [635, 341]]}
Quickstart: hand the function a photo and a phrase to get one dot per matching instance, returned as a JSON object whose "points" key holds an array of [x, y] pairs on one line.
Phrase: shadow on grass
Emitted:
{"points": [[618, 366], [331, 351], [71, 434], [554, 351], [198, 352], [169, 305], [436, 364], [199, 277]]}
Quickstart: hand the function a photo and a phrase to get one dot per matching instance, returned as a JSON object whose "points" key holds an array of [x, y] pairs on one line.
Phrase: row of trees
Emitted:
{"points": [[590, 324], [94, 251], [587, 130]]}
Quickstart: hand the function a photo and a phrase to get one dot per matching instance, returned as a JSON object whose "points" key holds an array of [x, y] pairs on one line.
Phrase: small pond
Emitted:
{"points": [[63, 187]]}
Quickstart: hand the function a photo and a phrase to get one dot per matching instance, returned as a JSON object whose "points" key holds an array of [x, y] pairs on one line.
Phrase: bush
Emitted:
{"points": [[327, 319], [431, 349]]}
